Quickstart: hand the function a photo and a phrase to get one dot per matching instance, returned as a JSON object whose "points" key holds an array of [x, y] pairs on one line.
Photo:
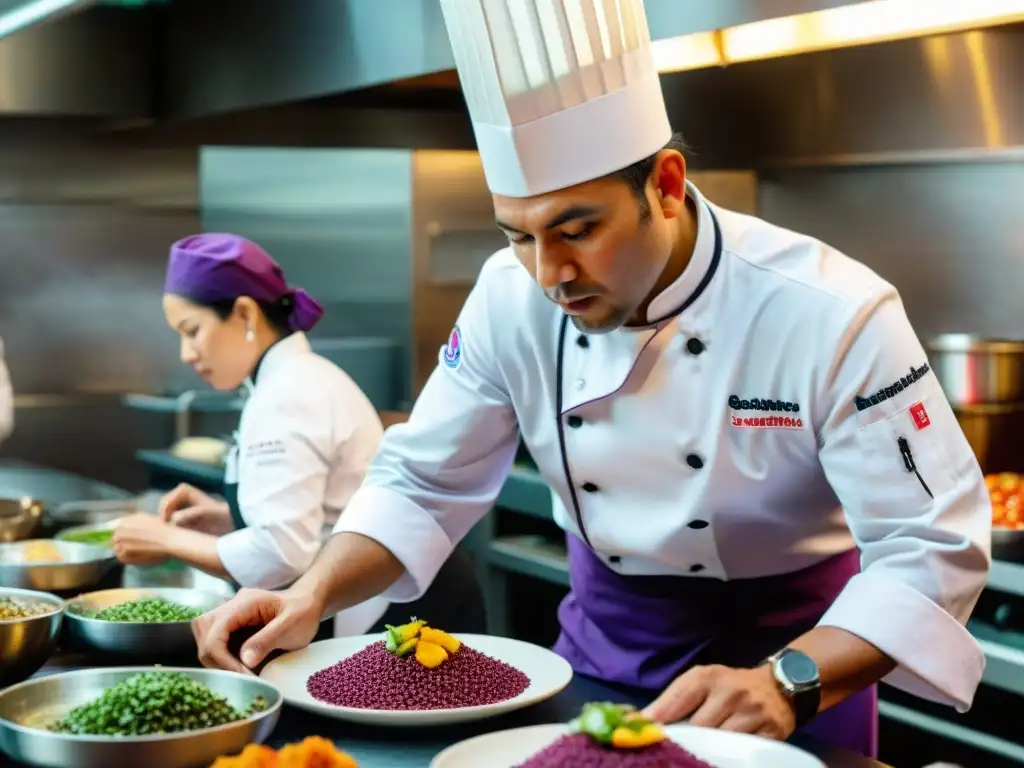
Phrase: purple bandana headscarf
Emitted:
{"points": [[221, 267]]}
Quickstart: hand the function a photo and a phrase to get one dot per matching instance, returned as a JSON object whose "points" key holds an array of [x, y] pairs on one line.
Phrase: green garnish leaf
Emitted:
{"points": [[600, 719]]}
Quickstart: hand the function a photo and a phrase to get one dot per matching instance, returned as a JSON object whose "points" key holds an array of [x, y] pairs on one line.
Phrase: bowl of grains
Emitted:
{"points": [[139, 622], [608, 735], [29, 625], [417, 675], [135, 716]]}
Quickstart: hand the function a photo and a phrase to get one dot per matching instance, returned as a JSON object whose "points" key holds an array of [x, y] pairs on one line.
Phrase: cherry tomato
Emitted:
{"points": [[1009, 482]]}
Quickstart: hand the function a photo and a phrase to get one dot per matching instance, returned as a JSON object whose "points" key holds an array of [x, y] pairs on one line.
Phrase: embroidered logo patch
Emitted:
{"points": [[886, 393], [762, 404], [920, 416], [767, 422], [451, 354]]}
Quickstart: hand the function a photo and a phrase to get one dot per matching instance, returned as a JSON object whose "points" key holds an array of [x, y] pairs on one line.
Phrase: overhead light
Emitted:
{"points": [[869, 22], [25, 14]]}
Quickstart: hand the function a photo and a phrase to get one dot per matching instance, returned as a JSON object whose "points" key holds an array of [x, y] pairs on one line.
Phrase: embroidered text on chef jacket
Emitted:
{"points": [[786, 415], [306, 437]]}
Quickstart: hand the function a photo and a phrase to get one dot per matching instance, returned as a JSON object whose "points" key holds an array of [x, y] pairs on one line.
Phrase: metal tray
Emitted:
{"points": [[28, 708], [138, 639]]}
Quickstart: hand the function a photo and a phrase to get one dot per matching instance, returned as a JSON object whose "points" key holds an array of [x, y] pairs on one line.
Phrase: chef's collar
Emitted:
{"points": [[292, 344], [698, 271]]}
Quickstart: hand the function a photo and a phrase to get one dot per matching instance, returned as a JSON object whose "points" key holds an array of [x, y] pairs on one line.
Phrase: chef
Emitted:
{"points": [[306, 436], [6, 399], [768, 502]]}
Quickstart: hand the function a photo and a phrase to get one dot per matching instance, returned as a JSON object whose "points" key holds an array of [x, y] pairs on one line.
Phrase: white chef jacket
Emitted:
{"points": [[774, 408], [6, 399], [306, 437]]}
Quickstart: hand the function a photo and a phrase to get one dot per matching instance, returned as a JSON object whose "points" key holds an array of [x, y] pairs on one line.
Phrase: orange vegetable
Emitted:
{"points": [[438, 637], [407, 646], [430, 655], [253, 756], [1006, 490], [625, 737], [312, 752]]}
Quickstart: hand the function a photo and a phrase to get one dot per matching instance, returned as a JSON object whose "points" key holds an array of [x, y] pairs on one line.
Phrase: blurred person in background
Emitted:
{"points": [[306, 437]]}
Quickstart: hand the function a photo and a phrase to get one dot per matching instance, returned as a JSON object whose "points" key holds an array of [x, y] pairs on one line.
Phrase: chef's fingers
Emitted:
{"points": [[686, 693], [745, 723], [293, 628], [719, 706], [179, 498], [266, 640], [213, 630], [189, 517]]}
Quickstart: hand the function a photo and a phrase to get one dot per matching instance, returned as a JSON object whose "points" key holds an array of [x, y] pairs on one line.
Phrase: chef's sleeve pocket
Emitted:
{"points": [[923, 445]]}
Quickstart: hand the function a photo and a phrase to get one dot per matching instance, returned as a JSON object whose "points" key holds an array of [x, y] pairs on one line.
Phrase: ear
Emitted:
{"points": [[669, 181], [247, 311]]}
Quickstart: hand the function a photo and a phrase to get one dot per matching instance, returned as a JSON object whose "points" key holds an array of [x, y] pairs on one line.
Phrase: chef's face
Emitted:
{"points": [[596, 249], [213, 347]]}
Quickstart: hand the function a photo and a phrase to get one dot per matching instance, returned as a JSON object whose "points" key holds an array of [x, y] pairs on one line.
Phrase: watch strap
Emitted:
{"points": [[806, 703]]}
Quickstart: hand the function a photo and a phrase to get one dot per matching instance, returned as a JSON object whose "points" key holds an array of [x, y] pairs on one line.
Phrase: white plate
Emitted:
{"points": [[722, 749], [548, 673]]}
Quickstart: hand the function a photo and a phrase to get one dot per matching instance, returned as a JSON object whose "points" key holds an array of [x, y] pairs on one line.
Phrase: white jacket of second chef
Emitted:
{"points": [[6, 398], [305, 440], [805, 422]]}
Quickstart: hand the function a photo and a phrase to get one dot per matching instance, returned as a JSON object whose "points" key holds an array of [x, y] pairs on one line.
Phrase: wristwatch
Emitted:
{"points": [[798, 679]]}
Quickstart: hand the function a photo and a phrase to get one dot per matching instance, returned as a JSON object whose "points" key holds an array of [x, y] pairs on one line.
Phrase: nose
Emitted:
{"points": [[189, 356], [553, 268]]}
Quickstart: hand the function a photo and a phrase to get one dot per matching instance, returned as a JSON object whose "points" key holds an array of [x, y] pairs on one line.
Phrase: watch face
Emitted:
{"points": [[799, 669]]}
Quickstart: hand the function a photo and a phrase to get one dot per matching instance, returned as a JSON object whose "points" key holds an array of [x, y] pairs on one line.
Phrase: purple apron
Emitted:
{"points": [[644, 631]]}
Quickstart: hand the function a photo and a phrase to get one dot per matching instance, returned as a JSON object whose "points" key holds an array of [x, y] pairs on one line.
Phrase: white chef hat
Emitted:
{"points": [[559, 91]]}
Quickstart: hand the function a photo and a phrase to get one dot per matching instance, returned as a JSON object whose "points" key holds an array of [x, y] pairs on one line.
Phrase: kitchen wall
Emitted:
{"points": [[338, 221], [84, 228], [948, 235]]}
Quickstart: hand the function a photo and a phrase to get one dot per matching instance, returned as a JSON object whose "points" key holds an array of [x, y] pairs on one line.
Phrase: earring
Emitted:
{"points": [[250, 336]]}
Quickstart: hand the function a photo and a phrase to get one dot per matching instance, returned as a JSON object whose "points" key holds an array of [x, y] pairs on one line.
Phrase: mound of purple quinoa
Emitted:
{"points": [[580, 751], [376, 679]]}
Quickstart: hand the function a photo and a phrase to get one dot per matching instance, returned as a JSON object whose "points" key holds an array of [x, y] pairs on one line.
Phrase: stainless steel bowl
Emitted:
{"points": [[28, 708], [72, 533], [977, 371], [19, 518], [165, 638], [1007, 544], [91, 512], [26, 644], [53, 566]]}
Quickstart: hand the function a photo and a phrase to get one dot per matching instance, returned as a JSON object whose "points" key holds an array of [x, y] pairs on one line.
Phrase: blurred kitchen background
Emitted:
{"points": [[333, 133]]}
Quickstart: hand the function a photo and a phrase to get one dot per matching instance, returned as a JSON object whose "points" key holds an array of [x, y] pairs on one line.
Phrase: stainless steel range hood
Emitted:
{"points": [[281, 52], [16, 15], [88, 59]]}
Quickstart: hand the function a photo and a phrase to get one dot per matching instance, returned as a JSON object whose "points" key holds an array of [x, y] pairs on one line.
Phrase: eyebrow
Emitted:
{"points": [[569, 214]]}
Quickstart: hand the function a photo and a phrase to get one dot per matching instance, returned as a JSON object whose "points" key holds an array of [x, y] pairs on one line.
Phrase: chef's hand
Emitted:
{"points": [[213, 518], [141, 540], [743, 700], [289, 621], [184, 497]]}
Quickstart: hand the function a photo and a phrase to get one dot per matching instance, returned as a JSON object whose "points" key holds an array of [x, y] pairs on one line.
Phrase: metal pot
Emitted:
{"points": [[994, 433], [976, 371]]}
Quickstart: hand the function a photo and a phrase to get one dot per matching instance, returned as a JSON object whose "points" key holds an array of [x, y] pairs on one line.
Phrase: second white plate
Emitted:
{"points": [[549, 673], [722, 749]]}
